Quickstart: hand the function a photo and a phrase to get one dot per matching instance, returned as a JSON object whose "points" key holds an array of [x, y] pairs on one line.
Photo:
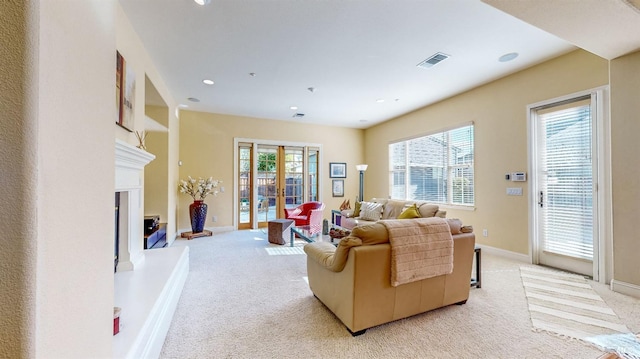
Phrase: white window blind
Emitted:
{"points": [[567, 208], [435, 168]]}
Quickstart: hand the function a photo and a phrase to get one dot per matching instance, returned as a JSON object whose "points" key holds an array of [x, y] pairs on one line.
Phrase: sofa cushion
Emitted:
{"points": [[371, 211], [428, 210], [393, 208], [410, 212], [370, 234]]}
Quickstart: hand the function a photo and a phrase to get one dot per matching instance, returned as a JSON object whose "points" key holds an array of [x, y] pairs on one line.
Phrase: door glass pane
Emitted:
{"points": [[293, 174], [244, 185], [567, 188], [266, 177], [313, 175]]}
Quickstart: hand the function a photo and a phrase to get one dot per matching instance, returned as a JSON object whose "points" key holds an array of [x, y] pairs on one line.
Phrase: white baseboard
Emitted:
{"points": [[505, 254], [625, 288]]}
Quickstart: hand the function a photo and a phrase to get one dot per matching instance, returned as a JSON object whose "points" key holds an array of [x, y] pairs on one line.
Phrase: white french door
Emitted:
{"points": [[564, 183]]}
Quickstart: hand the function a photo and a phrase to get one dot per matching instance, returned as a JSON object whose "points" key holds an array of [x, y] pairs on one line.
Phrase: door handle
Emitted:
{"points": [[541, 200], [283, 192]]}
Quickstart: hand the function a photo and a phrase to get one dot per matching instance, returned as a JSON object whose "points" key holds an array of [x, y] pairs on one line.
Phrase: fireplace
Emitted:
{"points": [[147, 284], [129, 184]]}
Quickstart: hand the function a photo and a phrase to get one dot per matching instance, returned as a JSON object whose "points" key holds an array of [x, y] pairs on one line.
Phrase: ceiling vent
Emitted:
{"points": [[298, 115], [433, 60]]}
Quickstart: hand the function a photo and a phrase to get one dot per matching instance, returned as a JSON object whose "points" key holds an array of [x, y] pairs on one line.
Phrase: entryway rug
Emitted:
{"points": [[565, 304]]}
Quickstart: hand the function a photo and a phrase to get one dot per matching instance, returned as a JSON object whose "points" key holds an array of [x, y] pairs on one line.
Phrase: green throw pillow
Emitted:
{"points": [[356, 209], [410, 212]]}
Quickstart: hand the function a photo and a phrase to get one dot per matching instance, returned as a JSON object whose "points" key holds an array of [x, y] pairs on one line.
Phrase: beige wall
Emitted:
{"points": [[18, 169], [498, 110], [57, 178], [207, 146], [156, 173], [625, 152]]}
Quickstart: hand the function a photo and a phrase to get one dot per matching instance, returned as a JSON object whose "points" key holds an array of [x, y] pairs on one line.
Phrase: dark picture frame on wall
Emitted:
{"points": [[337, 170], [337, 188], [125, 91]]}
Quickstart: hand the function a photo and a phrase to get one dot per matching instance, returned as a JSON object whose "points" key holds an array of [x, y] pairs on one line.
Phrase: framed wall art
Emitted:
{"points": [[337, 188], [337, 170], [125, 92]]}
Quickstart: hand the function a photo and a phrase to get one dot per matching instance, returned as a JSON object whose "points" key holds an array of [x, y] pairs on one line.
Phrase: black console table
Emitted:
{"points": [[157, 238]]}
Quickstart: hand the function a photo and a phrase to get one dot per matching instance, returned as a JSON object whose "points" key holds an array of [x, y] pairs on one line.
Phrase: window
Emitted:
{"points": [[435, 168]]}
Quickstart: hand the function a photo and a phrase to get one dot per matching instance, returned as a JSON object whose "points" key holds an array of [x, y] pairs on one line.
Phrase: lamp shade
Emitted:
{"points": [[362, 167]]}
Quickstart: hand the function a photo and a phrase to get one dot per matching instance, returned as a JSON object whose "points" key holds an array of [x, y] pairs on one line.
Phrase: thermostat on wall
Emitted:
{"points": [[519, 176]]}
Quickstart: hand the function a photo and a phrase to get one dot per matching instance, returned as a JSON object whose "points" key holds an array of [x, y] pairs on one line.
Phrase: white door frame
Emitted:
{"points": [[603, 238]]}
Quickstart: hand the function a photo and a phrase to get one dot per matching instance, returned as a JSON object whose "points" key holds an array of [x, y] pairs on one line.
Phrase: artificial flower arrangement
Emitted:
{"points": [[199, 189]]}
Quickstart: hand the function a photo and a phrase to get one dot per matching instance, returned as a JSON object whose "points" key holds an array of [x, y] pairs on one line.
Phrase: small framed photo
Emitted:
{"points": [[337, 170], [337, 188]]}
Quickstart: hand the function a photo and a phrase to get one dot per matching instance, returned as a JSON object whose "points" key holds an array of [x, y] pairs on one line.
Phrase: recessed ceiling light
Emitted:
{"points": [[193, 99], [508, 57], [363, 120], [293, 107], [202, 2], [380, 100], [208, 82]]}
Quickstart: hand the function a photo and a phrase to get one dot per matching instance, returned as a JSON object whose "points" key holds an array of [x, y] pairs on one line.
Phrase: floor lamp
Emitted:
{"points": [[361, 168]]}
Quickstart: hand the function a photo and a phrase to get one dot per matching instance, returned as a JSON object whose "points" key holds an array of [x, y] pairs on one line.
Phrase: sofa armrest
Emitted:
{"points": [[329, 256]]}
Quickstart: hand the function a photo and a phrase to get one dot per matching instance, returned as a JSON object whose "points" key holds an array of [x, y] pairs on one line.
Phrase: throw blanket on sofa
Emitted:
{"points": [[420, 248]]}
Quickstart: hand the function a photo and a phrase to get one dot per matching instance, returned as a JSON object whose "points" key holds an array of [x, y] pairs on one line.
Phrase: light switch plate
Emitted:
{"points": [[514, 191]]}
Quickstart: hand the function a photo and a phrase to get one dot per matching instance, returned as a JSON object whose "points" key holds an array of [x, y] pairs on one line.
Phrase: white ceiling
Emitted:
{"points": [[352, 52]]}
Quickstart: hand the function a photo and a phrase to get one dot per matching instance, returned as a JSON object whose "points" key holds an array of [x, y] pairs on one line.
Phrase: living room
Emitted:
{"points": [[59, 286]]}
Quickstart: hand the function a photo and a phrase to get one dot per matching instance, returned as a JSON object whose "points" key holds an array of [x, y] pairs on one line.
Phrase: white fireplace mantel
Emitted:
{"points": [[129, 181], [130, 162]]}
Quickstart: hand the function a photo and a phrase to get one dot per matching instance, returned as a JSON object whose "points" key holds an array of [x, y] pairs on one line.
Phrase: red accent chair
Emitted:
{"points": [[307, 214]]}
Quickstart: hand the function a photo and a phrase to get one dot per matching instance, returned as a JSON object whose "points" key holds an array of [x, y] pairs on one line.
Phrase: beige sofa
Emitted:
{"points": [[390, 209], [353, 279]]}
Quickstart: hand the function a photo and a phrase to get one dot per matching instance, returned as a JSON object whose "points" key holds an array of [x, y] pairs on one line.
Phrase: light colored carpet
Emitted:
{"points": [[565, 304], [240, 301]]}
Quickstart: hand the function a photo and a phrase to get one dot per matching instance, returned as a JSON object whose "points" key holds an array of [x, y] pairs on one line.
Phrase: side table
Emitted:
{"points": [[475, 282], [279, 230]]}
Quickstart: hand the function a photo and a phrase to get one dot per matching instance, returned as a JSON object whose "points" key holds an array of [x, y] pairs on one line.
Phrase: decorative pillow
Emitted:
{"points": [[428, 210], [410, 212], [466, 229], [455, 224], [370, 211], [356, 209]]}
